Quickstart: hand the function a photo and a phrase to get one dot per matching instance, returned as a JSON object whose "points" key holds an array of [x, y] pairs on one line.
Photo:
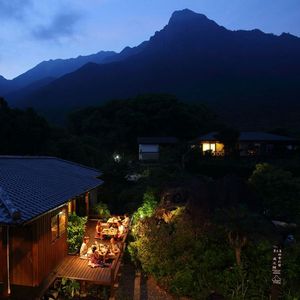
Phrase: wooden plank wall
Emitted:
{"points": [[3, 261], [21, 257], [33, 254], [47, 254]]}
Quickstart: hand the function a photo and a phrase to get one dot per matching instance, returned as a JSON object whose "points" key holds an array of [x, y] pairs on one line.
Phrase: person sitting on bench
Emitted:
{"points": [[121, 230], [113, 247], [84, 248], [96, 260], [98, 234]]}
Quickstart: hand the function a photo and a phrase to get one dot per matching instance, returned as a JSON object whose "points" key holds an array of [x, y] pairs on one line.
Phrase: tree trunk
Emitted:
{"points": [[238, 255]]}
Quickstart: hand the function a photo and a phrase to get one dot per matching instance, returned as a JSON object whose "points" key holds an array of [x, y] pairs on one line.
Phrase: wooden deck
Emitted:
{"points": [[75, 268]]}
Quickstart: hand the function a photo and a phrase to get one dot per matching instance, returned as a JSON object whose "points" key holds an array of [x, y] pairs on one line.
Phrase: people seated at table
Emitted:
{"points": [[126, 221], [97, 255], [103, 249], [84, 248], [98, 234], [121, 230], [113, 247], [113, 220], [94, 260]]}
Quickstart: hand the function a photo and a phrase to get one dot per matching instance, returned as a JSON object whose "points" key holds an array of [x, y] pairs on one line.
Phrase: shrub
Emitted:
{"points": [[101, 209], [192, 264], [69, 288], [279, 192], [148, 207], [76, 230]]}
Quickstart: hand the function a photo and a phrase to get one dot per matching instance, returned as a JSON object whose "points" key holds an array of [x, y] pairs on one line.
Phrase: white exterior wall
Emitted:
{"points": [[148, 151]]}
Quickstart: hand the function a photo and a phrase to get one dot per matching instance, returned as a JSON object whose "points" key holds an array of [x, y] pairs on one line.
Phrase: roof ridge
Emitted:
{"points": [[49, 157], [80, 165], [28, 156]]}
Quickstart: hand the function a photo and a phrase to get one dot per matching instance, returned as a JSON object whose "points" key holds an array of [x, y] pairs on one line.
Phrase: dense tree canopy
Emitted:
{"points": [[95, 133], [22, 132], [118, 123], [278, 190]]}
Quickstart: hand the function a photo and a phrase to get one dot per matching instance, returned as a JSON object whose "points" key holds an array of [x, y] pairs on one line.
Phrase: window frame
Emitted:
{"points": [[56, 222]]}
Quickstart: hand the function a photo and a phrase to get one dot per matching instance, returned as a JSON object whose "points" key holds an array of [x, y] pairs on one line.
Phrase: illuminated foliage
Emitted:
{"points": [[191, 262], [76, 229], [147, 208], [193, 265]]}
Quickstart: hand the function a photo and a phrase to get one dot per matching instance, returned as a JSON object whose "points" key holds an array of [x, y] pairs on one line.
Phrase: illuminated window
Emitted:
{"points": [[62, 220], [58, 225], [208, 147], [54, 228], [219, 147]]}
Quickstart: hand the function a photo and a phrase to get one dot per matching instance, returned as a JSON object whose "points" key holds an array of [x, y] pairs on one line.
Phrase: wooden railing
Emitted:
{"points": [[115, 267]]}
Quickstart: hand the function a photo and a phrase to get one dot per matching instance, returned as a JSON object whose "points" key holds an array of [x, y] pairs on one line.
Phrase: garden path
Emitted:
{"points": [[133, 287]]}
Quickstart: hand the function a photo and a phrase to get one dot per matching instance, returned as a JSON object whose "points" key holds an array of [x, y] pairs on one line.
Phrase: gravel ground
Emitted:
{"points": [[148, 287]]}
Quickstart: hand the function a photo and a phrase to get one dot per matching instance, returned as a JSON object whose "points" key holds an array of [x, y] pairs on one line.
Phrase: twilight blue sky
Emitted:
{"points": [[35, 30]]}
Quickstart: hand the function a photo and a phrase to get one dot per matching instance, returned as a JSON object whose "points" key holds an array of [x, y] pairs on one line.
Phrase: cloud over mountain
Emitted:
{"points": [[62, 25]]}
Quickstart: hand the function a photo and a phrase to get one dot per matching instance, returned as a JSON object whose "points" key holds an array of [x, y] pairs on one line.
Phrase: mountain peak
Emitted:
{"points": [[187, 18], [184, 11], [184, 15]]}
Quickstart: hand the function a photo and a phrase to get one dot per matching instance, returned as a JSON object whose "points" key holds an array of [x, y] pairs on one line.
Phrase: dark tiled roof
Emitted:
{"points": [[35, 185], [247, 136], [157, 140]]}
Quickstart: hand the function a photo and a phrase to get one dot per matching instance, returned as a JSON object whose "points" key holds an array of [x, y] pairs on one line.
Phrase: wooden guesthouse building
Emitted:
{"points": [[36, 195], [249, 143]]}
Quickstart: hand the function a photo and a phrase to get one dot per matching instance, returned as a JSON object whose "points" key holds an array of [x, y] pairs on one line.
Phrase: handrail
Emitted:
{"points": [[118, 257], [113, 268]]}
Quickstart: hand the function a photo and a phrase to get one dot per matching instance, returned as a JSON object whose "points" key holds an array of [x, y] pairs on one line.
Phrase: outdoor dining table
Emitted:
{"points": [[109, 232], [113, 220]]}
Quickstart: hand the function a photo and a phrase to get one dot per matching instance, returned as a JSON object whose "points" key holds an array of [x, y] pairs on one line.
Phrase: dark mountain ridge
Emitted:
{"points": [[46, 71], [56, 68], [5, 85], [197, 60]]}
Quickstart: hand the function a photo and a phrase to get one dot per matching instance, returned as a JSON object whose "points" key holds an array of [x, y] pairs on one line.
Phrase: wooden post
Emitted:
{"points": [[87, 203], [112, 280], [4, 262], [83, 288], [137, 286], [35, 255]]}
